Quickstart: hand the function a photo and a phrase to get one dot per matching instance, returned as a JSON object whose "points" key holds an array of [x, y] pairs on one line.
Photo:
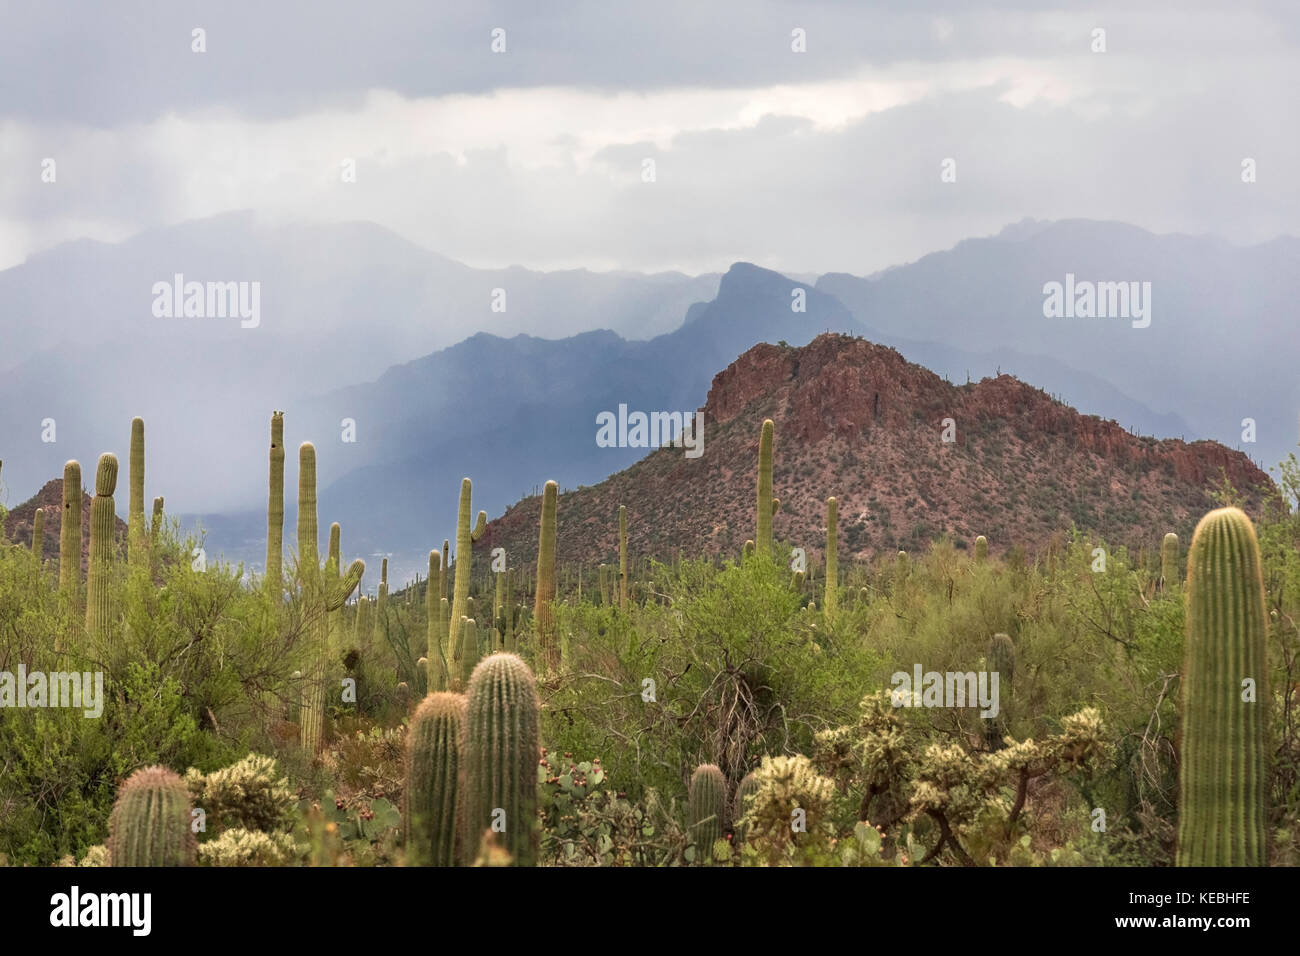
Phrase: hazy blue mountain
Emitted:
{"points": [[1222, 344]]}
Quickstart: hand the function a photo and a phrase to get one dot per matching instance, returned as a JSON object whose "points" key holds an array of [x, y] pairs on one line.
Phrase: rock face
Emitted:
{"points": [[18, 525], [857, 421]]}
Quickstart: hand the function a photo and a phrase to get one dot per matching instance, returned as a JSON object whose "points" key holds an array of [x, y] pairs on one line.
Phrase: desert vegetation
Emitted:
{"points": [[625, 711]]}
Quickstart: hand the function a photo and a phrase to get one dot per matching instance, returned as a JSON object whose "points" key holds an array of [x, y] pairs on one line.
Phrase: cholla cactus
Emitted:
{"points": [[100, 567], [150, 822], [1223, 776], [251, 794], [240, 847], [432, 774], [707, 809], [782, 786], [500, 750]]}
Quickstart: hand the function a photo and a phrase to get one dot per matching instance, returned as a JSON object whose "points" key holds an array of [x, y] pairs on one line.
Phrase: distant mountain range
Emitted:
{"points": [[511, 398]]}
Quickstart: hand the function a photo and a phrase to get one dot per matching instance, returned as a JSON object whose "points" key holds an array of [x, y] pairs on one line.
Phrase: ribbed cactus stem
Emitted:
{"points": [[465, 538], [1169, 554], [498, 605], [747, 788], [150, 822], [1223, 776], [500, 750], [1001, 660], [831, 599], [136, 538], [468, 650], [707, 809], [548, 650], [155, 532], [436, 676], [100, 569], [38, 537], [275, 508], [432, 775], [70, 535], [981, 549], [622, 557], [308, 535], [763, 533], [381, 605]]}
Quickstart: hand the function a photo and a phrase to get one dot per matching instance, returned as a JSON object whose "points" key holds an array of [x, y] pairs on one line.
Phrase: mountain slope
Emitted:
{"points": [[857, 421]]}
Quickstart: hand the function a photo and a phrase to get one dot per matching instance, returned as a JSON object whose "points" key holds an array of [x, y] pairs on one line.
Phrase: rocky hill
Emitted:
{"points": [[857, 421], [18, 525]]}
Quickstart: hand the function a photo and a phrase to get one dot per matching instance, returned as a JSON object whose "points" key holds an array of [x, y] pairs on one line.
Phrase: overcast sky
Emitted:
{"points": [[825, 160]]}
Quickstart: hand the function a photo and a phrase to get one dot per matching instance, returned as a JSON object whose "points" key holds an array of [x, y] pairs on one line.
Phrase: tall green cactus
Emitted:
{"points": [[381, 603], [1169, 554], [767, 506], [548, 648], [320, 597], [468, 650], [831, 601], [465, 538], [155, 533], [747, 788], [150, 822], [100, 568], [500, 750], [275, 509], [433, 763], [707, 809], [136, 539], [1001, 659], [437, 673], [70, 535], [498, 621], [38, 538], [1223, 776], [981, 549], [622, 557]]}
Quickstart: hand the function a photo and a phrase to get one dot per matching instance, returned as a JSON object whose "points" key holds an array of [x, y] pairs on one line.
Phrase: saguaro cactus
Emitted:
{"points": [[707, 809], [1001, 659], [468, 650], [275, 508], [1223, 782], [100, 567], [548, 647], [831, 601], [622, 557], [437, 674], [432, 769], [38, 537], [150, 822], [981, 549], [500, 750], [155, 532], [136, 539], [767, 505], [465, 538], [1169, 554], [70, 535], [381, 605], [321, 595], [747, 788]]}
